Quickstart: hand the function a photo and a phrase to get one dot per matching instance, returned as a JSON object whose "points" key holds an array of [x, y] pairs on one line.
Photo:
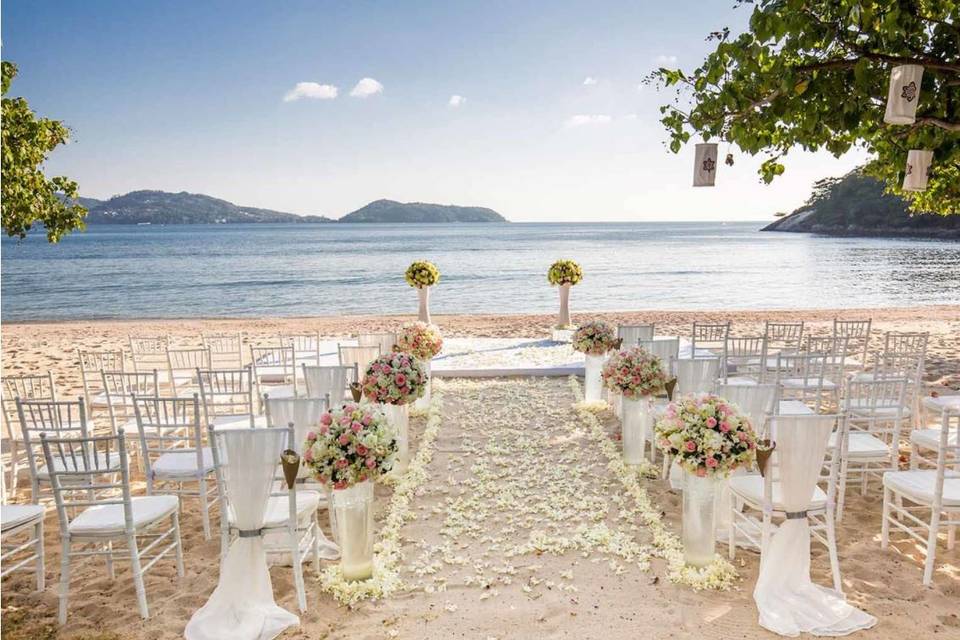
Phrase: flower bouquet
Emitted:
{"points": [[709, 438], [564, 274], [394, 380], [353, 446], [637, 375], [424, 342], [422, 275], [594, 339]]}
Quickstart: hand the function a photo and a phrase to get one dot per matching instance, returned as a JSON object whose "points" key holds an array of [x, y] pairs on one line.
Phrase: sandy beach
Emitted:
{"points": [[468, 570]]}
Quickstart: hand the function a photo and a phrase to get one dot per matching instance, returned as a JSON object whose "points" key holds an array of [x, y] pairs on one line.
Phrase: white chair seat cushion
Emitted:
{"points": [[740, 380], [100, 400], [279, 391], [793, 408], [182, 464], [14, 515], [278, 508], [239, 420], [101, 464], [940, 403], [920, 484], [806, 383], [863, 445], [108, 518], [750, 488], [930, 438], [863, 408]]}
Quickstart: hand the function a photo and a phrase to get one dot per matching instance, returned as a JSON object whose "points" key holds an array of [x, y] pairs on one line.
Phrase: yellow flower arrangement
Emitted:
{"points": [[564, 272], [422, 274]]}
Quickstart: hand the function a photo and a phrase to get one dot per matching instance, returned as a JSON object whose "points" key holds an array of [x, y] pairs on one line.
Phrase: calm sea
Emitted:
{"points": [[295, 270]]}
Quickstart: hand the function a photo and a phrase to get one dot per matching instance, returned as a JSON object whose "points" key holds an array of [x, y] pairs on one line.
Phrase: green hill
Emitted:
{"points": [[389, 211], [855, 205], [161, 207]]}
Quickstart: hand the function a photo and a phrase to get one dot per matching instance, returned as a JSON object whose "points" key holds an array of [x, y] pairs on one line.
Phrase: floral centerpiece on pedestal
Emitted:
{"points": [[424, 342], [564, 274], [422, 275], [709, 438], [594, 339], [353, 446], [637, 375], [394, 380]]}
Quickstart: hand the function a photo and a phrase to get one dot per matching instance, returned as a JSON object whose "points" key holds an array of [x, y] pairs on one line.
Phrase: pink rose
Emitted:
{"points": [[711, 462], [326, 419], [308, 455], [361, 450], [340, 485], [691, 445], [311, 436], [400, 379], [343, 439], [342, 463], [725, 426], [366, 421], [324, 429], [371, 463], [711, 422], [356, 427]]}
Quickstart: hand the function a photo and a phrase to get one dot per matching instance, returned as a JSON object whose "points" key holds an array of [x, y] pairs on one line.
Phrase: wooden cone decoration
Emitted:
{"points": [[290, 461], [765, 449]]}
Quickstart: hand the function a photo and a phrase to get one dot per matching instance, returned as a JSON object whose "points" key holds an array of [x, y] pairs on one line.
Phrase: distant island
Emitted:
{"points": [[162, 207], [856, 205]]}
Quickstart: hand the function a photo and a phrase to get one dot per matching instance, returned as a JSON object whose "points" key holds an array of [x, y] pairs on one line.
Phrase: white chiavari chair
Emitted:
{"points": [[171, 445], [96, 509], [91, 364], [697, 375], [359, 357], [285, 510], [306, 346], [667, 349], [759, 402], [148, 353], [21, 539], [927, 439], [386, 341], [25, 387], [802, 377], [744, 360], [275, 371], [857, 333], [227, 398], [226, 349], [57, 418], [875, 413], [936, 491], [120, 388], [632, 334], [182, 365], [783, 336]]}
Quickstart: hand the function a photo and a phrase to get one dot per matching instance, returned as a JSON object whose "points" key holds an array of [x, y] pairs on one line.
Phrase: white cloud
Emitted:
{"points": [[630, 116], [456, 101], [589, 81], [313, 90], [585, 119], [665, 59], [366, 88]]}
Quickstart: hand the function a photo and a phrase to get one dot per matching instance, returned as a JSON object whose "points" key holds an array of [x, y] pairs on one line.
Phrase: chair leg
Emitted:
{"points": [[731, 531], [931, 547], [64, 581], [914, 457], [38, 551], [842, 489], [316, 543], [297, 569], [137, 575], [885, 523], [179, 548], [108, 547], [832, 548], [204, 509]]}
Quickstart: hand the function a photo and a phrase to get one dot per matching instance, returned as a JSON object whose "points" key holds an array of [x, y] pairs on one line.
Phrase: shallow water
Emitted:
{"points": [[121, 271]]}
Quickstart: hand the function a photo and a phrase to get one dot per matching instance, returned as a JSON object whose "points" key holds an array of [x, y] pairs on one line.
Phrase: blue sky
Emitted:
{"points": [[190, 96]]}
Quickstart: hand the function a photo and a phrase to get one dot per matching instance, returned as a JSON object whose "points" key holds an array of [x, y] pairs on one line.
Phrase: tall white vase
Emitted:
{"points": [[424, 312], [353, 507], [423, 402], [637, 420], [563, 320], [592, 384], [399, 416], [699, 519]]}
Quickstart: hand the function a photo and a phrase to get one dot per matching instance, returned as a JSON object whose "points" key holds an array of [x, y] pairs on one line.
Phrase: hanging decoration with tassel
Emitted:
{"points": [[904, 94], [917, 170], [705, 165]]}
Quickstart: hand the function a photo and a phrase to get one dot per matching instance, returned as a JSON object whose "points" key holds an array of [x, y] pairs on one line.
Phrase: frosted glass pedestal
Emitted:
{"points": [[399, 416], [636, 422], [699, 519], [354, 518], [592, 383]]}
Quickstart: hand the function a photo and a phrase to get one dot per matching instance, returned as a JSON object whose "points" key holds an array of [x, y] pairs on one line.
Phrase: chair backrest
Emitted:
{"points": [[182, 364], [667, 349], [836, 348], [91, 364], [58, 418], [783, 335], [757, 401], [807, 366], [303, 413], [903, 354], [82, 475], [168, 425], [386, 341], [149, 352], [329, 380], [800, 456], [858, 331], [226, 349], [26, 387], [359, 356], [120, 387], [709, 336], [306, 346], [697, 375], [878, 404], [226, 392], [905, 342], [277, 365], [746, 355], [632, 334]]}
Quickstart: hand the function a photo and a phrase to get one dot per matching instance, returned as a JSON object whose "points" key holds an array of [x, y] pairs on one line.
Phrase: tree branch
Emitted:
{"points": [[939, 122]]}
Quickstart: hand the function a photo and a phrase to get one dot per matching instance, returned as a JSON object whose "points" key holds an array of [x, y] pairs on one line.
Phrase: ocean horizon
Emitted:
{"points": [[250, 270]]}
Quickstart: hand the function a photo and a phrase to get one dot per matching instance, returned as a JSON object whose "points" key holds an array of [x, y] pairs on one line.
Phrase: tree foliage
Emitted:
{"points": [[29, 197], [814, 74]]}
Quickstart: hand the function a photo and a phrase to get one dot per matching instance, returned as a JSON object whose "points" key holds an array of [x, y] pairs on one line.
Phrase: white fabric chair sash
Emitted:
{"points": [[242, 606], [697, 376], [788, 601], [757, 401]]}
